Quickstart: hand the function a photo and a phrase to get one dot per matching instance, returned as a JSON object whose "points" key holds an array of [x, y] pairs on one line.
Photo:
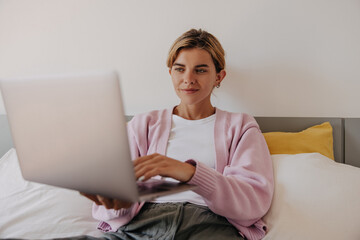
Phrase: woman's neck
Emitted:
{"points": [[194, 112]]}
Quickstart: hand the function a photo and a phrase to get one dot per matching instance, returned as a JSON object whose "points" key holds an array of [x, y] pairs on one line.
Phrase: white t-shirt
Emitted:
{"points": [[190, 139]]}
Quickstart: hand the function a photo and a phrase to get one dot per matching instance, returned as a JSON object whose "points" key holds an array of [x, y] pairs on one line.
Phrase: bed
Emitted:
{"points": [[317, 186]]}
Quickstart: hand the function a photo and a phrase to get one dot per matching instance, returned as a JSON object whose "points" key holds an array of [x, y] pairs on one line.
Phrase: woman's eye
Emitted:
{"points": [[200, 70], [179, 69]]}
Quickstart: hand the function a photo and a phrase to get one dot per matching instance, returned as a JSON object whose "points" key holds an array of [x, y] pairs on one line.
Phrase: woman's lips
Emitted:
{"points": [[189, 90]]}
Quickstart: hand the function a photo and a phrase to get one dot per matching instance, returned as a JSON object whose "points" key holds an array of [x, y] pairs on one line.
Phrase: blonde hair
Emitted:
{"points": [[198, 39]]}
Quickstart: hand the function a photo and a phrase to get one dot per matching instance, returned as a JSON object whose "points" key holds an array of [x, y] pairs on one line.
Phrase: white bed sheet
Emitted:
{"points": [[36, 211], [315, 198]]}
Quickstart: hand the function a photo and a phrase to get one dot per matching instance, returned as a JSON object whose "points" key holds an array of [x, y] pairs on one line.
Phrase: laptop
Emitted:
{"points": [[70, 131]]}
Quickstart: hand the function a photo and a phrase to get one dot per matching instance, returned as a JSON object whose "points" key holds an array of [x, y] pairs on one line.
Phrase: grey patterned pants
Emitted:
{"points": [[178, 221]]}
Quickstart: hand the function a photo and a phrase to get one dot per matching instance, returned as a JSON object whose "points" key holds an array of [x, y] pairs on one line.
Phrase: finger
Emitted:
{"points": [[91, 197], [151, 161], [116, 205], [141, 171], [142, 178], [148, 171], [159, 171], [106, 202], [143, 159], [143, 168]]}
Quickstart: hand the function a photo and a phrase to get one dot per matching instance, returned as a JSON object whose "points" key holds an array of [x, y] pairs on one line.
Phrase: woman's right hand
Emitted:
{"points": [[108, 203]]}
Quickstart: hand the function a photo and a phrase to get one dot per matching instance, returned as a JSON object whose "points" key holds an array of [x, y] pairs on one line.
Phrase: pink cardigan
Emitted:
{"points": [[240, 187]]}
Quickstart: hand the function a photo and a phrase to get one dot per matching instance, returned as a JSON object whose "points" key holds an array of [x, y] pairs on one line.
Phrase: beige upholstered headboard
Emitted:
{"points": [[5, 136], [352, 141]]}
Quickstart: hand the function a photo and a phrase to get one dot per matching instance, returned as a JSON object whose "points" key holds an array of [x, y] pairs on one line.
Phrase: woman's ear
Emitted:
{"points": [[220, 76]]}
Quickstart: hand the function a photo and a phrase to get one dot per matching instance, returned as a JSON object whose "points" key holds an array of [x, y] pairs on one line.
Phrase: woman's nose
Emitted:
{"points": [[189, 78]]}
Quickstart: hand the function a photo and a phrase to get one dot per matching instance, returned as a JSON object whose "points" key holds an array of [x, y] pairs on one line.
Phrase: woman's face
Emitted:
{"points": [[194, 76]]}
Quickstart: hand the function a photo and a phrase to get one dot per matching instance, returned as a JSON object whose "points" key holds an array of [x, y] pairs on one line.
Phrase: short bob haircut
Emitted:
{"points": [[198, 39]]}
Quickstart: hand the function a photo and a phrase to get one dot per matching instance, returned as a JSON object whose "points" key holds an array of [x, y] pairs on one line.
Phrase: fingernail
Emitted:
{"points": [[141, 178]]}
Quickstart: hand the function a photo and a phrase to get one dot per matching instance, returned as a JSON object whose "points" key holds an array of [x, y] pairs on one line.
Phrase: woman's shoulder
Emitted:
{"points": [[235, 115], [236, 118]]}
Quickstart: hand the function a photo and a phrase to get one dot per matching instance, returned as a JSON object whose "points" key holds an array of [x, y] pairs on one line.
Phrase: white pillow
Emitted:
{"points": [[315, 198], [36, 211]]}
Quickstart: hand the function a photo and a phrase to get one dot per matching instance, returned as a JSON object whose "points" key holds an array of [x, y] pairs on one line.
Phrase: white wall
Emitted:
{"points": [[284, 58]]}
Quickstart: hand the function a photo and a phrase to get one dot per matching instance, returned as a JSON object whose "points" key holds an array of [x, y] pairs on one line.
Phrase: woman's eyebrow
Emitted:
{"points": [[197, 66], [178, 64], [202, 65]]}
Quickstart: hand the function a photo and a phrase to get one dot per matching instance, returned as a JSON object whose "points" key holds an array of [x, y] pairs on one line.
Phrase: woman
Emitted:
{"points": [[223, 153]]}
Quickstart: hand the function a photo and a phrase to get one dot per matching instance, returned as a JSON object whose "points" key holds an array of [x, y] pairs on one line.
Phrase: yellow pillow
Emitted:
{"points": [[318, 138]]}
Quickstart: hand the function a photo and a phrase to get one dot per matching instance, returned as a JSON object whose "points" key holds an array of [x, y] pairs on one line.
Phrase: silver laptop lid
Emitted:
{"points": [[63, 130]]}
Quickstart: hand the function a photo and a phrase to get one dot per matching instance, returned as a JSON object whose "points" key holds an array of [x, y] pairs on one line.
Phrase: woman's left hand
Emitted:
{"points": [[156, 164]]}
